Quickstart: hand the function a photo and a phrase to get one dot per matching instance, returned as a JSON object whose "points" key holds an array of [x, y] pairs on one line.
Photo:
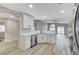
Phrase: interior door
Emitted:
{"points": [[76, 27]]}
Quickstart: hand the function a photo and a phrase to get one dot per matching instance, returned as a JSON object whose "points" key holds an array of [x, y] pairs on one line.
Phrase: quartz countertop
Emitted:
{"points": [[30, 33], [48, 32]]}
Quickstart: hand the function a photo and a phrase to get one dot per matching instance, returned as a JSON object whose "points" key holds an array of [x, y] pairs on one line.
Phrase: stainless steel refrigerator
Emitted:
{"points": [[76, 27]]}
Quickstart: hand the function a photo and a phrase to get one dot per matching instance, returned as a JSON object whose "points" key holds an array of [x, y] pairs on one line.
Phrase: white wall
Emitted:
{"points": [[12, 30]]}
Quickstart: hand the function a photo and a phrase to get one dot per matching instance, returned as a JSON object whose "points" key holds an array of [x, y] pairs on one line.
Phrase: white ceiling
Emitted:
{"points": [[51, 10]]}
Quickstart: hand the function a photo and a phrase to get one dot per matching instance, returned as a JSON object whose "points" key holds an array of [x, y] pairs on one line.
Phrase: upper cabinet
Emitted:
{"points": [[28, 21]]}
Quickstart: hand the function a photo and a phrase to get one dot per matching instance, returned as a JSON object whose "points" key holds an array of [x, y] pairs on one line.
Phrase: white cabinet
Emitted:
{"points": [[25, 42], [46, 38], [28, 21], [42, 38]]}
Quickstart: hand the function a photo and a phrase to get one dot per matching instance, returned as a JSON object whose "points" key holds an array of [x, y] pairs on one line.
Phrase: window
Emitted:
{"points": [[60, 30], [2, 28], [52, 27]]}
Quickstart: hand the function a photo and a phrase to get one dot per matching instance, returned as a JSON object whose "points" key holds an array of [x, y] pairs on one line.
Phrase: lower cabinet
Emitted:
{"points": [[24, 42], [46, 38], [27, 41], [41, 38]]}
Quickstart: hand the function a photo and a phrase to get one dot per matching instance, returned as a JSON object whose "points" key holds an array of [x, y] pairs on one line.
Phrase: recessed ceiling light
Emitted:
{"points": [[11, 16], [62, 11], [30, 6]]}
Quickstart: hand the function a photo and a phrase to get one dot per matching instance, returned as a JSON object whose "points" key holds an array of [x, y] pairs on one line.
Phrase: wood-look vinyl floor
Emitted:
{"points": [[40, 49], [7, 47]]}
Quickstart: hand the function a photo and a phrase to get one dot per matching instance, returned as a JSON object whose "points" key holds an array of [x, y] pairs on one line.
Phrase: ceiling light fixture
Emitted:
{"points": [[11, 16], [30, 6], [62, 11]]}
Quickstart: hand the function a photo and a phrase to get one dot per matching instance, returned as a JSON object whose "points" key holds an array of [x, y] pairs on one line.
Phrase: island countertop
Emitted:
{"points": [[30, 33]]}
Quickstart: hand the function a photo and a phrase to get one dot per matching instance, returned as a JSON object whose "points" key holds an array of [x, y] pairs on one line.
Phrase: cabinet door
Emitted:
{"points": [[41, 38], [28, 43], [24, 42], [27, 21]]}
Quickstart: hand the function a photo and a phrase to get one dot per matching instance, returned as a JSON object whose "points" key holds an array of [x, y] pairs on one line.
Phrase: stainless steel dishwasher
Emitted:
{"points": [[33, 40]]}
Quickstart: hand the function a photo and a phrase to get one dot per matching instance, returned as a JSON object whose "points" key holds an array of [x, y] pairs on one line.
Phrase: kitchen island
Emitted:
{"points": [[46, 37], [26, 39]]}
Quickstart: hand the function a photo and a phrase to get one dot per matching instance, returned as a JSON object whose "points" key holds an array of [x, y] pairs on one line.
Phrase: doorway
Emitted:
{"points": [[60, 30]]}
